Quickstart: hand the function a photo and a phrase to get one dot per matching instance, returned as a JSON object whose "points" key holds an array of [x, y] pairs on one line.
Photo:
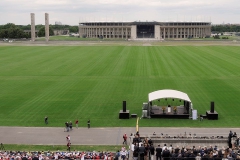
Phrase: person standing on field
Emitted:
{"points": [[76, 122], [69, 146], [88, 123], [70, 125], [125, 138], [68, 138], [46, 120]]}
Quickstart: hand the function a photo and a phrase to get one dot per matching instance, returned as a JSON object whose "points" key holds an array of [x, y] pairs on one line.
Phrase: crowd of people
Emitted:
{"points": [[22, 155], [143, 149], [139, 149]]}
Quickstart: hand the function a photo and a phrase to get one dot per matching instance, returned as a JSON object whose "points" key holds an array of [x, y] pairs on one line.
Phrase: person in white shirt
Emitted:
{"points": [[123, 154], [82, 155], [170, 148], [55, 155], [165, 146], [68, 138]]}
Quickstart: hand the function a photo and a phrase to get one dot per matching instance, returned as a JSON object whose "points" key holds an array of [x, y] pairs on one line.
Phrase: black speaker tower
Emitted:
{"points": [[212, 114], [212, 107], [124, 106], [124, 113]]}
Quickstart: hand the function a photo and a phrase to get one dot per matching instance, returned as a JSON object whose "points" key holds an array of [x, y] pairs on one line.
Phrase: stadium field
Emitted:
{"points": [[90, 82]]}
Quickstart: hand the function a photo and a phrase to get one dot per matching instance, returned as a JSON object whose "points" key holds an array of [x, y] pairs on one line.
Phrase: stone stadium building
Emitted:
{"points": [[145, 30]]}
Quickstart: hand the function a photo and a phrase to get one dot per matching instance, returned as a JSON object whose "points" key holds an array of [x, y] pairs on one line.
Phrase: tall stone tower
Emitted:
{"points": [[47, 27], [32, 27]]}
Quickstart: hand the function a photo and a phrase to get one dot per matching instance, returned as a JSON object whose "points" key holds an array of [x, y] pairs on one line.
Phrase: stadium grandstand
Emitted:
{"points": [[138, 30]]}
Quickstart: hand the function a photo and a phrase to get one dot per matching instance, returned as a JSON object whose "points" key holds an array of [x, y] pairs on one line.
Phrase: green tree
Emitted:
{"points": [[225, 28], [3, 33], [73, 29], [41, 32], [9, 25], [10, 30]]}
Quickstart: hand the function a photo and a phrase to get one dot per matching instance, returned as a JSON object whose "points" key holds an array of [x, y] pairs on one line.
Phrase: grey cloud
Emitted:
{"points": [[121, 9]]}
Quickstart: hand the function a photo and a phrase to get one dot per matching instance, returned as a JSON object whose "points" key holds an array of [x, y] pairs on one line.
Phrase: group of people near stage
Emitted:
{"points": [[69, 125], [233, 140]]}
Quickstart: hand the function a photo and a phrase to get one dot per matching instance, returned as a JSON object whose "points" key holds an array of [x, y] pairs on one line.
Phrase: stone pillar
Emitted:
{"points": [[133, 32], [160, 36], [79, 31], [157, 32], [201, 32], [110, 35], [113, 32], [96, 32], [177, 32], [118, 32], [90, 32], [126, 35], [184, 34], [122, 32], [32, 27], [46, 26], [168, 31], [164, 33], [194, 33], [102, 32]]}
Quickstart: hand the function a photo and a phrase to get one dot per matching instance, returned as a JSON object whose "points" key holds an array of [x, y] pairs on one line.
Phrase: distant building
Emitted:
{"points": [[29, 32], [142, 30], [61, 32], [58, 23]]}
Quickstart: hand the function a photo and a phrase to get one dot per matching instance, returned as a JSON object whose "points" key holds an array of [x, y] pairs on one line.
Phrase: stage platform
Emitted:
{"points": [[157, 112]]}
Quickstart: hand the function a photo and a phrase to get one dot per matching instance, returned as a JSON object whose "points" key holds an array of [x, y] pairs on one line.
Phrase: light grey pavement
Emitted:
{"points": [[94, 136]]}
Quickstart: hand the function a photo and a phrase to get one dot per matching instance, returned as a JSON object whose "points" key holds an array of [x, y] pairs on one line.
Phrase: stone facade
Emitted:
{"points": [[105, 30], [129, 30]]}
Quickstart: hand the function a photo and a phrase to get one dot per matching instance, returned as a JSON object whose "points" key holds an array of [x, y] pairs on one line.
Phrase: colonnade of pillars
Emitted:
{"points": [[193, 32], [105, 32]]}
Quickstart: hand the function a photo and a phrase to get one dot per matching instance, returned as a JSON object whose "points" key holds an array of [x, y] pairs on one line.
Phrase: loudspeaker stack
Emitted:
{"points": [[124, 106], [212, 107]]}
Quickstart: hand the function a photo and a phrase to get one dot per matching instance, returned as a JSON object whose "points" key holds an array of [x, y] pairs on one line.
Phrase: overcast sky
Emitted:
{"points": [[74, 11]]}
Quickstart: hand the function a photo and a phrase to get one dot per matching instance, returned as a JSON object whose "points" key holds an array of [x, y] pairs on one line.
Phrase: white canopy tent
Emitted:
{"points": [[168, 93]]}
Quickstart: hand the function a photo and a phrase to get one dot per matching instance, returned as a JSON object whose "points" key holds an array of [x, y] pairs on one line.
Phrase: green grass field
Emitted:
{"points": [[72, 38], [53, 148], [90, 82]]}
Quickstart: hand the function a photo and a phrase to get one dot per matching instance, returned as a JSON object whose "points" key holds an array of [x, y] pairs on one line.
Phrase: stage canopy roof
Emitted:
{"points": [[168, 93]]}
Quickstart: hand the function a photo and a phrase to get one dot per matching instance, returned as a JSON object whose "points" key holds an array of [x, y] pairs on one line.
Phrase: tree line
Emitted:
{"points": [[225, 28], [10, 30]]}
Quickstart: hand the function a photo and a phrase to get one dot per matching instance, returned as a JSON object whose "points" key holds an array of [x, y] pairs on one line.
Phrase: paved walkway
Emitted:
{"points": [[94, 136]]}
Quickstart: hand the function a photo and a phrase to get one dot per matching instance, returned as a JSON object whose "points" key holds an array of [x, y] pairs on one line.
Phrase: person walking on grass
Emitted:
{"points": [[88, 123], [76, 122], [67, 126], [46, 120], [70, 125], [69, 146]]}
